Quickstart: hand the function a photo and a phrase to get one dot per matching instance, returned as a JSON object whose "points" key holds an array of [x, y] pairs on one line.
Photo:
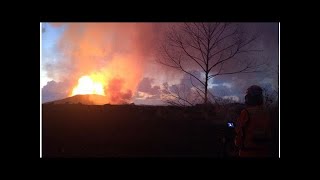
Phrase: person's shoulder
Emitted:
{"points": [[255, 108], [244, 110]]}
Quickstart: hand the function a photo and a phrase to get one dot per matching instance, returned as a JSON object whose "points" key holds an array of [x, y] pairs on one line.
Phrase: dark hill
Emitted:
{"points": [[88, 99]]}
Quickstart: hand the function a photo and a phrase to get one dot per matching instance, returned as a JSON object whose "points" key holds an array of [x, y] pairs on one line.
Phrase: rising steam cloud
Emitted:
{"points": [[116, 53]]}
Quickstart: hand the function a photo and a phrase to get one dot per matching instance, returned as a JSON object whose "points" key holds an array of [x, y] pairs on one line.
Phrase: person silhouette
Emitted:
{"points": [[253, 126]]}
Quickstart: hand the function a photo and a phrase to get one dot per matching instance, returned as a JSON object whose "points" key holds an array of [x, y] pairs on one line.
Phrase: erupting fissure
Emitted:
{"points": [[88, 85]]}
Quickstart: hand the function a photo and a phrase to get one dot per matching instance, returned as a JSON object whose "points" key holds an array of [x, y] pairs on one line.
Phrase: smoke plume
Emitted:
{"points": [[116, 53]]}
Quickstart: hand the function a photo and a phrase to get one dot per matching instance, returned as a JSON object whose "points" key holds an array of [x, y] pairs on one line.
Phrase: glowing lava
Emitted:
{"points": [[88, 85]]}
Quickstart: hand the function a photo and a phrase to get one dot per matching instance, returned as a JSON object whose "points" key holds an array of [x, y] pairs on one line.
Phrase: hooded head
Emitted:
{"points": [[254, 96]]}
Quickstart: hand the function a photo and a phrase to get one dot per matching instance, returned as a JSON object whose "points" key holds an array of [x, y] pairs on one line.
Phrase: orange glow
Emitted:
{"points": [[112, 56], [117, 81], [89, 85]]}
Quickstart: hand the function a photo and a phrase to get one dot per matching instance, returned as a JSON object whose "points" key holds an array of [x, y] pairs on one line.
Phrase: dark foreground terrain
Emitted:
{"points": [[75, 130]]}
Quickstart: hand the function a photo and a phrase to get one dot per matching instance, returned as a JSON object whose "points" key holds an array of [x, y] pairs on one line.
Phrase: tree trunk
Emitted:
{"points": [[206, 90]]}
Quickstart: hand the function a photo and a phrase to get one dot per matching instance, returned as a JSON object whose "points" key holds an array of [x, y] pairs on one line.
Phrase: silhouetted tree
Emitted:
{"points": [[211, 48]]}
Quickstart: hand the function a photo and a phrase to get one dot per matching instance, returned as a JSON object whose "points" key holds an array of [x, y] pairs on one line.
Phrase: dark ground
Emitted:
{"points": [[75, 130]]}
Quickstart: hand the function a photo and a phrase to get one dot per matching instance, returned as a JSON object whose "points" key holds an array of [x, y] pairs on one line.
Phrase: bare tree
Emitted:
{"points": [[211, 48]]}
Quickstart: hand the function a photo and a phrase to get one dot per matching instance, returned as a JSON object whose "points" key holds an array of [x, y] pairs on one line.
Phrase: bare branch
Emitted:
{"points": [[196, 39], [195, 85], [223, 49], [244, 70], [198, 48], [192, 76], [178, 97], [211, 35], [237, 51], [227, 58], [220, 40], [199, 30], [200, 94], [192, 57], [199, 38], [177, 65]]}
